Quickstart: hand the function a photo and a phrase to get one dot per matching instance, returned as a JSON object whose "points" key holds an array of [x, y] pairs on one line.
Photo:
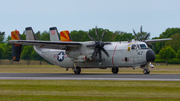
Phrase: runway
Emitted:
{"points": [[71, 76]]}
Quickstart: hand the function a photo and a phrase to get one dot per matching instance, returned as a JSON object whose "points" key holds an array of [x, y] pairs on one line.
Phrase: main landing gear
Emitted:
{"points": [[115, 70], [77, 69]]}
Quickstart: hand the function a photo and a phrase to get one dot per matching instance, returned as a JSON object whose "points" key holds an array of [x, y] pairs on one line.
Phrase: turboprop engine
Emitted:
{"points": [[89, 50]]}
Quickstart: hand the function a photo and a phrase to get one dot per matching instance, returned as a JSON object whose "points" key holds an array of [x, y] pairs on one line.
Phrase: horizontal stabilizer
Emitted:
{"points": [[47, 44], [54, 35]]}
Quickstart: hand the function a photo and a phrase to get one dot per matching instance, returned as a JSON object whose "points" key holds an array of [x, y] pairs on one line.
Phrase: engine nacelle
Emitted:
{"points": [[81, 58], [84, 58]]}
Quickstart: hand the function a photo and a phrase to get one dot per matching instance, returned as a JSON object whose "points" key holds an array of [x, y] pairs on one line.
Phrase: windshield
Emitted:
{"points": [[143, 46]]}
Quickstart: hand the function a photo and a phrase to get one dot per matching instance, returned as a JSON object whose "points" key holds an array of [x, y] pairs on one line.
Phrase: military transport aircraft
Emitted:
{"points": [[62, 51]]}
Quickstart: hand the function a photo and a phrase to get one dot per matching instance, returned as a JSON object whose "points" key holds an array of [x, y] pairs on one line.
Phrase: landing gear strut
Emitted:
{"points": [[115, 70]]}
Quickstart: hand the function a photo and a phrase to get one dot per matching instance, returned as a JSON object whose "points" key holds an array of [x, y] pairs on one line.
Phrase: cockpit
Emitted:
{"points": [[143, 46], [139, 46]]}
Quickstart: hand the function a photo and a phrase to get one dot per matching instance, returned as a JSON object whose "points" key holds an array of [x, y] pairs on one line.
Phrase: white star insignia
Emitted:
{"points": [[60, 56]]}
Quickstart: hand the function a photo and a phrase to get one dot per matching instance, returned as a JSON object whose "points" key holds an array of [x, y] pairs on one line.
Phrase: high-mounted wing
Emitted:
{"points": [[148, 41], [157, 40]]}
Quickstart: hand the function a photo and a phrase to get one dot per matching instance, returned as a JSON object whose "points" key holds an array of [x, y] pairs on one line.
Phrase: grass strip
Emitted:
{"points": [[89, 90]]}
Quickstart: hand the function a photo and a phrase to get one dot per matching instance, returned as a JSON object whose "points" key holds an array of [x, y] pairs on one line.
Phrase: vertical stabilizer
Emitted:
{"points": [[16, 48], [54, 35], [65, 36], [30, 34]]}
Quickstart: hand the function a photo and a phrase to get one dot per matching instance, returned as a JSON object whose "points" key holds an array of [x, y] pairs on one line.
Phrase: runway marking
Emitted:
{"points": [[66, 78]]}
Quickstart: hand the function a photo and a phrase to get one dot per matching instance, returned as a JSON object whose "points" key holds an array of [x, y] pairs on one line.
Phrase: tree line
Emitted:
{"points": [[160, 48]]}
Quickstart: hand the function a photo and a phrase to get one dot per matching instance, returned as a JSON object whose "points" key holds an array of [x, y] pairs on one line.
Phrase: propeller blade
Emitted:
{"points": [[141, 29], [103, 35], [147, 36], [135, 35], [99, 55], [141, 33], [96, 33], [150, 45], [106, 43], [91, 37], [94, 53], [104, 51]]}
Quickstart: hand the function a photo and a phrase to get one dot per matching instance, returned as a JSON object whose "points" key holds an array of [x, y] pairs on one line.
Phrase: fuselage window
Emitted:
{"points": [[133, 46], [143, 46]]}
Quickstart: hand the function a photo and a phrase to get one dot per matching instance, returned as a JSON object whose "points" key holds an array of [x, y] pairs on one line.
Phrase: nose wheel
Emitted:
{"points": [[146, 71]]}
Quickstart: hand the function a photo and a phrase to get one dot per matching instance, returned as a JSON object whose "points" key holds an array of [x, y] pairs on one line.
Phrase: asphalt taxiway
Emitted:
{"points": [[71, 76]]}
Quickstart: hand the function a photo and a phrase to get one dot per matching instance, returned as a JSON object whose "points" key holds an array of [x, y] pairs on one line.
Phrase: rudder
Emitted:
{"points": [[65, 36], [54, 35], [16, 48], [30, 34]]}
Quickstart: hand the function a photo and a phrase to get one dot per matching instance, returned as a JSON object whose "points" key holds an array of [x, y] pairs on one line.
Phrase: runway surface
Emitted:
{"points": [[71, 76]]}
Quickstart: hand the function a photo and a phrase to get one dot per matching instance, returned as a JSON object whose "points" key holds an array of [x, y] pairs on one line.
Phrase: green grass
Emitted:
{"points": [[89, 90], [162, 69]]}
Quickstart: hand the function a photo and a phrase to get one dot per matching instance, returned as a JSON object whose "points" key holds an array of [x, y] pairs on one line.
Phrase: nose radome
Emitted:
{"points": [[150, 56]]}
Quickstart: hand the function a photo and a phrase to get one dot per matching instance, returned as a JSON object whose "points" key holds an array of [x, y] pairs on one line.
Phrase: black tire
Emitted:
{"points": [[78, 70], [145, 71], [115, 70]]}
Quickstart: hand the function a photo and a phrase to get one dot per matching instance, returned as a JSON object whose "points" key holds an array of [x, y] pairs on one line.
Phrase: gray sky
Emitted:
{"points": [[125, 15]]}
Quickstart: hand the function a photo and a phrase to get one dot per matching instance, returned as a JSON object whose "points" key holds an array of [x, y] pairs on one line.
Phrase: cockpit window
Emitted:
{"points": [[143, 46], [138, 46]]}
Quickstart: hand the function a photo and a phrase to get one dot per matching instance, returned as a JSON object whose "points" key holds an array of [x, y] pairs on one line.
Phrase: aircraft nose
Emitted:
{"points": [[150, 56]]}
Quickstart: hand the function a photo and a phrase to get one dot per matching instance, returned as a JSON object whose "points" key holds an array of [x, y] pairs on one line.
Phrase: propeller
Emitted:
{"points": [[141, 38], [98, 46]]}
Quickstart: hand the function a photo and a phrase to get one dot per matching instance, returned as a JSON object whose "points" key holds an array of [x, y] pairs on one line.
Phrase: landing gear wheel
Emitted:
{"points": [[77, 70], [115, 70], [146, 71]]}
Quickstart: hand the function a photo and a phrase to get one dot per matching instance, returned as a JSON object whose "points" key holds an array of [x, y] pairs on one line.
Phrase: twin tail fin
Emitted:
{"points": [[16, 48]]}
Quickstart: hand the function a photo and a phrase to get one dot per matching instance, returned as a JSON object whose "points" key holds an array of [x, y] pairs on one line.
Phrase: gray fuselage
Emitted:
{"points": [[120, 55]]}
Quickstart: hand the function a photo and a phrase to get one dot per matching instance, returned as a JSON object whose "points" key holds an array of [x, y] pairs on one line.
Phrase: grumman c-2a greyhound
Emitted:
{"points": [[62, 51]]}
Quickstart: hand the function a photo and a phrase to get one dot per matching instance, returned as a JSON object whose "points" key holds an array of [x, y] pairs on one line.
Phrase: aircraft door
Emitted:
{"points": [[134, 50]]}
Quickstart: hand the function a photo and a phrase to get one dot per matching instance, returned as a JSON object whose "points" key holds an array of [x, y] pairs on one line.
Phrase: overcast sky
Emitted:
{"points": [[125, 15]]}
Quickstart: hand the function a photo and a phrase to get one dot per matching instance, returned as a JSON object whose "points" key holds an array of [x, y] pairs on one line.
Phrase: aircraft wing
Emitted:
{"points": [[48, 44], [157, 40]]}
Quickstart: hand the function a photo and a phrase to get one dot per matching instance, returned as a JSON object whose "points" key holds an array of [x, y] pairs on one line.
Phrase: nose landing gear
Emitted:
{"points": [[146, 71]]}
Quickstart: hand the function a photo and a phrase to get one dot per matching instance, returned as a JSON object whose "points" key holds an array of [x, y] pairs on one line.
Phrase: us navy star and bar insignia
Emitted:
{"points": [[60, 57]]}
